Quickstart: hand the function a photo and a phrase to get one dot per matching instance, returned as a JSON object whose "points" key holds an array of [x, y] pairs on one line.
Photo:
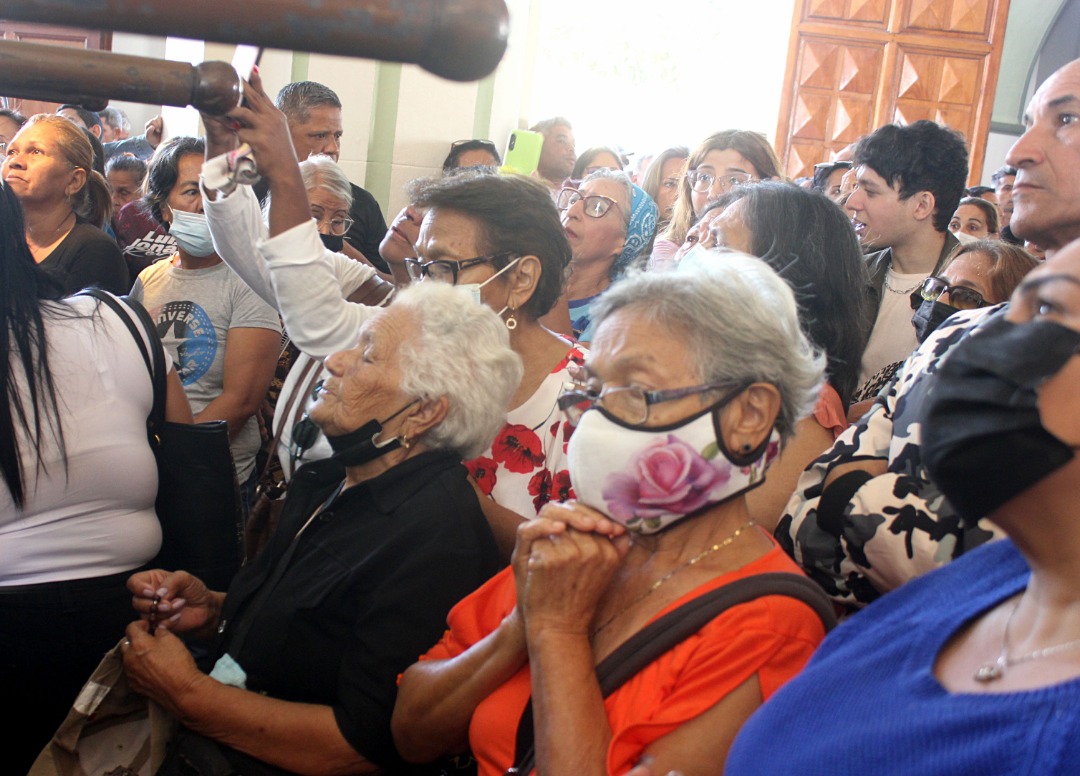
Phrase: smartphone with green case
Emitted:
{"points": [[522, 152]]}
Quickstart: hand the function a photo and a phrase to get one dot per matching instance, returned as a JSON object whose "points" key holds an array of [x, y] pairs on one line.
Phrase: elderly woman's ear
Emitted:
{"points": [[523, 280], [424, 416], [750, 418]]}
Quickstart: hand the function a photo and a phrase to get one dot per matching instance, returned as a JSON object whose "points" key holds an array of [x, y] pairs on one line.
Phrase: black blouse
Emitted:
{"points": [[366, 591]]}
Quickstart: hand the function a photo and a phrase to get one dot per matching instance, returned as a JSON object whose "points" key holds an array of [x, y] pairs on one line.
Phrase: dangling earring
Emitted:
{"points": [[405, 441], [511, 320]]}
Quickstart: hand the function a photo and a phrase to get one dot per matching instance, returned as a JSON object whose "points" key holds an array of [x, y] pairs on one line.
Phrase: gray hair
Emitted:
{"points": [[297, 99], [115, 118], [739, 319], [462, 351], [322, 172], [619, 177]]}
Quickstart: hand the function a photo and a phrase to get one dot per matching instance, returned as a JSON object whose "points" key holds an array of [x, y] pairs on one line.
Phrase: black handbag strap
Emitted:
{"points": [[672, 629], [155, 358]]}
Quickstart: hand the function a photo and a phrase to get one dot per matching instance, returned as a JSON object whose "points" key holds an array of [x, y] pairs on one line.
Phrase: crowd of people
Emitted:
{"points": [[571, 473]]}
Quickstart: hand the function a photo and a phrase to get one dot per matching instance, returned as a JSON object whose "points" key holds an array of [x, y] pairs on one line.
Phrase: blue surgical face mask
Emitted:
{"points": [[192, 233]]}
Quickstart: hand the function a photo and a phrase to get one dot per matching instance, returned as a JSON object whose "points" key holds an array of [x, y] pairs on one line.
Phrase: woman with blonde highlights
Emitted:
{"points": [[722, 161], [50, 167]]}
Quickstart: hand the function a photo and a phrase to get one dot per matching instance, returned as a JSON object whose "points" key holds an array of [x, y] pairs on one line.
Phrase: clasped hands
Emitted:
{"points": [[564, 561]]}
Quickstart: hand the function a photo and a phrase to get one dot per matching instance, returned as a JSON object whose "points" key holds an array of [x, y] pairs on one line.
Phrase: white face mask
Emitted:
{"points": [[192, 233], [474, 288], [649, 478]]}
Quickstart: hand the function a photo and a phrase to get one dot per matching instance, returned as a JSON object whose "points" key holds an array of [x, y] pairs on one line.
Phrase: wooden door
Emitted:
{"points": [[53, 36], [855, 65]]}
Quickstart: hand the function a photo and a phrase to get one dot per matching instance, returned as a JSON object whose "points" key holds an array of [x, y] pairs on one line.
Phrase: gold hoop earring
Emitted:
{"points": [[511, 321]]}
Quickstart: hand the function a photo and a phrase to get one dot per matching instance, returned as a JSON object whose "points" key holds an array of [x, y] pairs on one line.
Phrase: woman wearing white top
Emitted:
{"points": [[78, 489]]}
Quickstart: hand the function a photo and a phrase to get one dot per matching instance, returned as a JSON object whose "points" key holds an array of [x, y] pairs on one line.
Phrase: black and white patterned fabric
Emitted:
{"points": [[893, 526]]}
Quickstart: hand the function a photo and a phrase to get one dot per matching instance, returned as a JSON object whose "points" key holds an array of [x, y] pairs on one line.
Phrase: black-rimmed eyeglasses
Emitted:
{"points": [[447, 270]]}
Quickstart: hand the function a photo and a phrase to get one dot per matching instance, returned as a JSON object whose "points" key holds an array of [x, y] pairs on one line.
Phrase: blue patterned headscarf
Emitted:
{"points": [[643, 214]]}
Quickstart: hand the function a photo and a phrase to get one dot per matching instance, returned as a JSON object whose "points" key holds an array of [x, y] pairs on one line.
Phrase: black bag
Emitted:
{"points": [[672, 629], [198, 500]]}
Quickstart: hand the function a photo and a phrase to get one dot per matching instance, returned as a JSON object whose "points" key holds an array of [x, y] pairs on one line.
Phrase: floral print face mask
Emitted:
{"points": [[649, 478]]}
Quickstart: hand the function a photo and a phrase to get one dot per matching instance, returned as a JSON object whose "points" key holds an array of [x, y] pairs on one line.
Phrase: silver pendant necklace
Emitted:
{"points": [[988, 672], [900, 291]]}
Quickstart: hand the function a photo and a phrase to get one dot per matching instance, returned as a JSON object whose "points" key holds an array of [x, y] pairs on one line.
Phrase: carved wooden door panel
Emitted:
{"points": [[53, 36], [854, 65]]}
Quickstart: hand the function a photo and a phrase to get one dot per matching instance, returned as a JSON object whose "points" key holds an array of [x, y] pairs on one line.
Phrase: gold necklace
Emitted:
{"points": [[51, 234], [988, 672], [687, 564]]}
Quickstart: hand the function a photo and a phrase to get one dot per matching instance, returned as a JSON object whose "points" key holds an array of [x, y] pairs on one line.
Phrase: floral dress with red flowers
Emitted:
{"points": [[525, 467]]}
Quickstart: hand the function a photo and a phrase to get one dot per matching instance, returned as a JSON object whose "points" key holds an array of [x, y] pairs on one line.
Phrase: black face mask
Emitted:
{"points": [[928, 316], [983, 440], [334, 242], [363, 445]]}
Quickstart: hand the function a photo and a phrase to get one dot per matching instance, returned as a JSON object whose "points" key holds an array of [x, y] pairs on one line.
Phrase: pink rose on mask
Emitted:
{"points": [[667, 476]]}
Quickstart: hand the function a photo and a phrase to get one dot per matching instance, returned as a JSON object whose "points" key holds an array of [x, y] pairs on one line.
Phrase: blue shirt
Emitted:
{"points": [[869, 703]]}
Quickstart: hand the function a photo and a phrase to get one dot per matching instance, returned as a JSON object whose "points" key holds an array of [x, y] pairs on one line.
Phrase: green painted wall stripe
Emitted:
{"points": [[384, 113], [485, 98], [300, 61]]}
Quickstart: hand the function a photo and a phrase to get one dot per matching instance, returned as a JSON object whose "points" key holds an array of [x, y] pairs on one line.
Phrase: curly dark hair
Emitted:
{"points": [[923, 156]]}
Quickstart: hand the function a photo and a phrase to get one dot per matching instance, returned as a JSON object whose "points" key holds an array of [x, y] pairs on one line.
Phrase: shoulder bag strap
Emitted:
{"points": [[294, 403], [155, 358], [673, 628]]}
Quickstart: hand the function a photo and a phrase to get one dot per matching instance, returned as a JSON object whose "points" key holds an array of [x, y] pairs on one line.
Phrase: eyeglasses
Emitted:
{"points": [[962, 298], [702, 182], [338, 226], [596, 205], [446, 270], [628, 404], [485, 145]]}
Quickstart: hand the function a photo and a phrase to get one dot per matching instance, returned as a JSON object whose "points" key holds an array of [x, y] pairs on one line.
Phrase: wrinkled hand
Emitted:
{"points": [[184, 603], [265, 129], [582, 518], [159, 666], [154, 129], [561, 571]]}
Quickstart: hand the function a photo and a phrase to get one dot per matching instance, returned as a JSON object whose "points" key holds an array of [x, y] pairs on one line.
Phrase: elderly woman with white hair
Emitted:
{"points": [[693, 382], [374, 546]]}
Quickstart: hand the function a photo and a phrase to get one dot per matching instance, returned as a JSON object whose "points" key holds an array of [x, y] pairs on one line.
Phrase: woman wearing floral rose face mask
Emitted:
{"points": [[693, 381]]}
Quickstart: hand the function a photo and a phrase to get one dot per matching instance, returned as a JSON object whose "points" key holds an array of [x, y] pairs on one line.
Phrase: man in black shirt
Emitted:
{"points": [[314, 115]]}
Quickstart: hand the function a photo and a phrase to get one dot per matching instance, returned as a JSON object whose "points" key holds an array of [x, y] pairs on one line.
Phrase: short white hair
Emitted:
{"points": [[739, 319], [461, 351], [322, 172]]}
